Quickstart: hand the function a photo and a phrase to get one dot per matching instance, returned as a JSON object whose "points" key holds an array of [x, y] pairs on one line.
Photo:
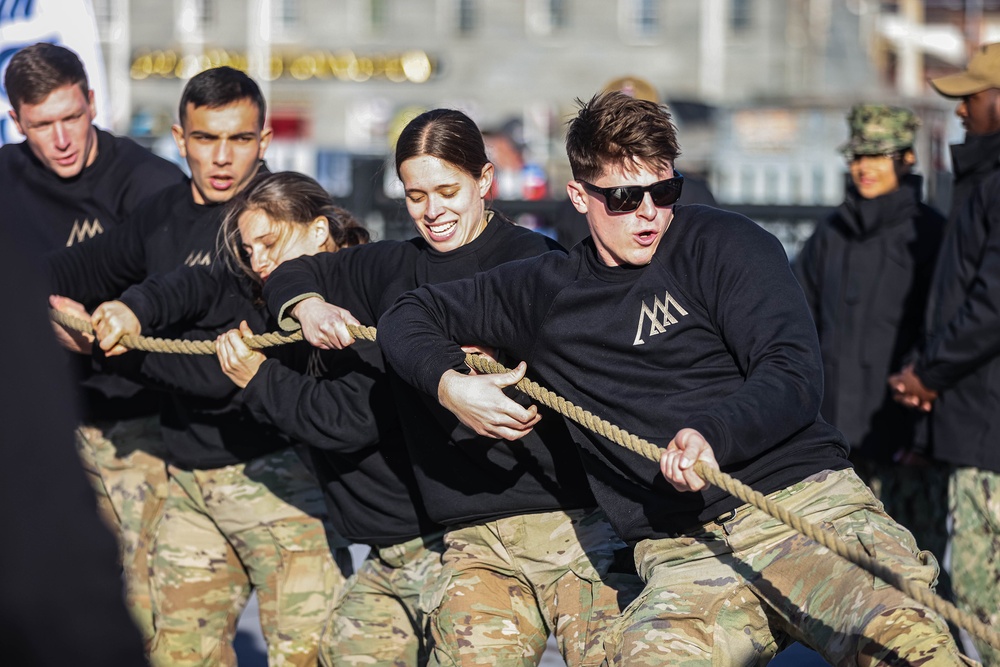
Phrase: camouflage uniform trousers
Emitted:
{"points": [[916, 496], [124, 463], [271, 511], [381, 618], [974, 505], [507, 584], [741, 588]]}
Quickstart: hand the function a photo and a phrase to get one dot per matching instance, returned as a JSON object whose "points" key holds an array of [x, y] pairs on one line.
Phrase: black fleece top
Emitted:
{"points": [[714, 334], [336, 401], [961, 356], [866, 272], [204, 425], [462, 477], [57, 212], [59, 573], [50, 212], [169, 230]]}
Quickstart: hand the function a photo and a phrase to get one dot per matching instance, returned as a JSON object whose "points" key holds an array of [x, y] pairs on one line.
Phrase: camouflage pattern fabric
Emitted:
{"points": [[381, 618], [739, 590], [974, 504], [271, 510], [125, 466], [877, 129], [508, 583], [916, 496]]}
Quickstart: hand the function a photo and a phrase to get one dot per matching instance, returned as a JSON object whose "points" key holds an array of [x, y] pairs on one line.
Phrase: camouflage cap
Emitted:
{"points": [[878, 129]]}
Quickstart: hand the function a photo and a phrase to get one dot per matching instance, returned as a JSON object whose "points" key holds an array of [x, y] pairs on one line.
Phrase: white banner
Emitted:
{"points": [[69, 23]]}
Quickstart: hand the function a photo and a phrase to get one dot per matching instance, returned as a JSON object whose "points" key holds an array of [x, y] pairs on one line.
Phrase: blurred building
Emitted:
{"points": [[759, 87]]}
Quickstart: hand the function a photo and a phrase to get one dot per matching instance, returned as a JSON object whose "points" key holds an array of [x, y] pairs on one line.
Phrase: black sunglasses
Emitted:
{"points": [[626, 198]]}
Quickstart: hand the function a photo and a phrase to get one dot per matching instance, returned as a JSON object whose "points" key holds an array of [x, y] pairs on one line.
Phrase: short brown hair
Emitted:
{"points": [[36, 70], [613, 131]]}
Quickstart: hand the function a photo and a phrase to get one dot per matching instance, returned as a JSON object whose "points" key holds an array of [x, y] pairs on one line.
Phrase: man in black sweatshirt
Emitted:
{"points": [[222, 136], [67, 184], [957, 376], [685, 326]]}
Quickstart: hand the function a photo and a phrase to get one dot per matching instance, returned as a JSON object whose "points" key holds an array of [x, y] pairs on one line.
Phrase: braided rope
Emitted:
{"points": [[482, 364]]}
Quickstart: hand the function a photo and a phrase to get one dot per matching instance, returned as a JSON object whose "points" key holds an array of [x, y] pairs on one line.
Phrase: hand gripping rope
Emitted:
{"points": [[631, 442]]}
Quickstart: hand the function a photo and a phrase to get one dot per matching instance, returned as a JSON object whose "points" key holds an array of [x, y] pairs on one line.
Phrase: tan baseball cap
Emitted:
{"points": [[982, 74], [633, 86]]}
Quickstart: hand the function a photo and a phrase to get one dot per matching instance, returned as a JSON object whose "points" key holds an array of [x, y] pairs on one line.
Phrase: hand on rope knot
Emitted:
{"points": [[112, 321], [325, 325], [70, 338], [237, 360]]}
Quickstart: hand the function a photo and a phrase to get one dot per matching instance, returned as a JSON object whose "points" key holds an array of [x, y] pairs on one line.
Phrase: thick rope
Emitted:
{"points": [[633, 443]]}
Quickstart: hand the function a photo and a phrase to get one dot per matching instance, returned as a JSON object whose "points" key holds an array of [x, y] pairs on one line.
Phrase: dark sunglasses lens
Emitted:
{"points": [[625, 199], [666, 193]]}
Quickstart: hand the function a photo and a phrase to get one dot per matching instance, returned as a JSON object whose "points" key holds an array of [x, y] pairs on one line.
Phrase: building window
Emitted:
{"points": [[466, 16], [545, 17], [739, 14], [287, 15], [379, 12], [205, 12], [103, 14], [640, 18]]}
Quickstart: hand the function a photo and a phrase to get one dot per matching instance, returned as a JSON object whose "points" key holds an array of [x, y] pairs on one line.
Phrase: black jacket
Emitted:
{"points": [[961, 357], [865, 272]]}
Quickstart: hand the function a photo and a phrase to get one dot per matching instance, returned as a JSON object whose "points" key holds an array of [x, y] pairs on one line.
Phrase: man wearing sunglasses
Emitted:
{"points": [[685, 326]]}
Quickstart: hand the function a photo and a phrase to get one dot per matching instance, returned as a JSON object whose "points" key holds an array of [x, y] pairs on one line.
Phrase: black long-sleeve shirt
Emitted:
{"points": [[714, 334], [337, 402], [62, 588], [168, 230], [201, 417], [462, 477], [203, 421], [50, 212]]}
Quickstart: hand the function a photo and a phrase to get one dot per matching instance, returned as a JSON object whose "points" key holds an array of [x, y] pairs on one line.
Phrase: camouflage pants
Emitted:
{"points": [[381, 619], [915, 496], [271, 512], [125, 466], [508, 583], [974, 504], [739, 589]]}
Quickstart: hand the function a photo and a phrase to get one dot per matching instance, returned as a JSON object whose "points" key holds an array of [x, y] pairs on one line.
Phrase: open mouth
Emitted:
{"points": [[645, 238], [221, 182], [442, 231]]}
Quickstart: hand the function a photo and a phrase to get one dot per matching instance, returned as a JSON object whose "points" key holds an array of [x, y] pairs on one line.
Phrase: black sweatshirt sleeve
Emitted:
{"points": [[182, 295], [498, 308], [970, 338], [62, 588], [330, 414], [762, 318]]}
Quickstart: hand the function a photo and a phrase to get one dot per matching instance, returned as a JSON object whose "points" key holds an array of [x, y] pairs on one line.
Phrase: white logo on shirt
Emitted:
{"points": [[659, 316], [316, 367], [84, 230], [199, 258]]}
